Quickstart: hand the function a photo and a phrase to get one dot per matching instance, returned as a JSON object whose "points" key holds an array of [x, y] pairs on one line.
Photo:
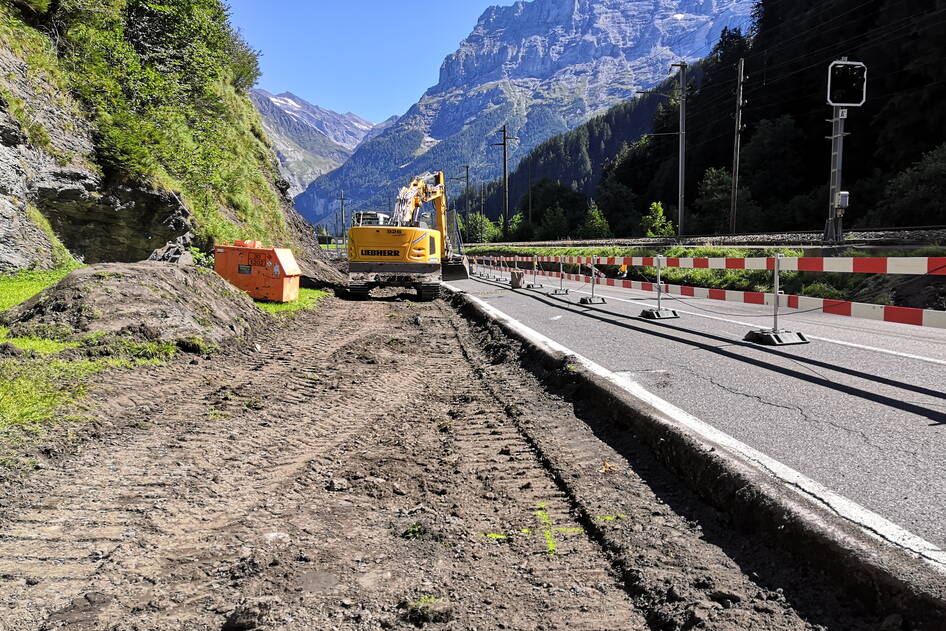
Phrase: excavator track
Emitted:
{"points": [[428, 291]]}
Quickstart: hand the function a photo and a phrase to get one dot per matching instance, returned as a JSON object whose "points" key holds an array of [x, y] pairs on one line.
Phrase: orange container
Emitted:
{"points": [[264, 273]]}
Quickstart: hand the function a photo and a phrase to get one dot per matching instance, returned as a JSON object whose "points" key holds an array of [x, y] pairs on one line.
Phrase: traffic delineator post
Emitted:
{"points": [[776, 336], [535, 284], [659, 313], [593, 299], [561, 291]]}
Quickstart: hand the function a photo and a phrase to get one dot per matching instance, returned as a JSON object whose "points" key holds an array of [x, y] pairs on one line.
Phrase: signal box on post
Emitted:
{"points": [[264, 273]]}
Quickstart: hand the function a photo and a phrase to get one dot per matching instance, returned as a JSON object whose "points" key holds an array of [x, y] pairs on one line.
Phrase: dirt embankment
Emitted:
{"points": [[145, 301], [378, 465]]}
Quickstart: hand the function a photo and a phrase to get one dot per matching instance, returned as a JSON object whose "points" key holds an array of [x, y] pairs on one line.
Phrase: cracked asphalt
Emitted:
{"points": [[869, 425]]}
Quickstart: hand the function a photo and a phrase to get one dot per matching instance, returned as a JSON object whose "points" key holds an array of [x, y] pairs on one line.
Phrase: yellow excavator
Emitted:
{"points": [[418, 247]]}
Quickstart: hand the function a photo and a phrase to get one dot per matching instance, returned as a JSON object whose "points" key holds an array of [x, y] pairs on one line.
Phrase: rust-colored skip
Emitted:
{"points": [[264, 273]]}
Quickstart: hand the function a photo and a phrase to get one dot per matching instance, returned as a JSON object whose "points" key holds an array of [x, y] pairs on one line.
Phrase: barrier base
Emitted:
{"points": [[558, 292], [768, 337], [659, 314], [534, 285], [593, 300]]}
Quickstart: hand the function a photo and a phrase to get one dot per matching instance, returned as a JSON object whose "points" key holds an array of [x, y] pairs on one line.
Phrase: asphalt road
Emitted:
{"points": [[861, 409]]}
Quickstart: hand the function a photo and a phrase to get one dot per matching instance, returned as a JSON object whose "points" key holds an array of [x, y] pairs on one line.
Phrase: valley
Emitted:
{"points": [[547, 314]]}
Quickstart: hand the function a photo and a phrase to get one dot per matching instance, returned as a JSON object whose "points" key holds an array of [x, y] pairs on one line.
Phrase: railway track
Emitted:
{"points": [[908, 237]]}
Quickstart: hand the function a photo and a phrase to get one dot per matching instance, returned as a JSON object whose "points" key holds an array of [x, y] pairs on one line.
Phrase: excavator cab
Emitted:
{"points": [[419, 246]]}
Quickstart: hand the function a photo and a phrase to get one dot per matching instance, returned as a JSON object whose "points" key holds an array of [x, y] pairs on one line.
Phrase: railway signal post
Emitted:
{"points": [[847, 88]]}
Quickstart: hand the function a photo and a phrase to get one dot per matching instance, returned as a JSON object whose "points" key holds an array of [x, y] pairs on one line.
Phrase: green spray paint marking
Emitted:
{"points": [[570, 531], [547, 533], [610, 517], [549, 530]]}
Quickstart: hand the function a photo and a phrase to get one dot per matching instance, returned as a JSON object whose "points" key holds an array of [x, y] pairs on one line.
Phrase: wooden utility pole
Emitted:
{"points": [[683, 144], [342, 199], [734, 204], [505, 145]]}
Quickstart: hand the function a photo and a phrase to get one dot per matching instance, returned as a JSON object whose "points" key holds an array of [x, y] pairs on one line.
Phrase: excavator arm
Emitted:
{"points": [[431, 188]]}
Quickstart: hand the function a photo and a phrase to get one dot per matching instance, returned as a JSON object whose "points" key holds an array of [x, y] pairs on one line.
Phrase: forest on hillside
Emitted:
{"points": [[619, 164]]}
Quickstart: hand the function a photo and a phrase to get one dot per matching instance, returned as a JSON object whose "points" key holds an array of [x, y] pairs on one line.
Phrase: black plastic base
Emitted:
{"points": [[659, 314], [558, 292], [593, 300], [775, 338], [534, 286]]}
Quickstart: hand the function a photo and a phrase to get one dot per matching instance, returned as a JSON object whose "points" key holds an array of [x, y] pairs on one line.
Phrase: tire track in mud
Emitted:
{"points": [[378, 454], [128, 509], [525, 512], [678, 575]]}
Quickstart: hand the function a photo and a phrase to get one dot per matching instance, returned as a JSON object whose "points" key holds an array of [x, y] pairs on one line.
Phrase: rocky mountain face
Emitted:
{"points": [[310, 140], [51, 190], [541, 67]]}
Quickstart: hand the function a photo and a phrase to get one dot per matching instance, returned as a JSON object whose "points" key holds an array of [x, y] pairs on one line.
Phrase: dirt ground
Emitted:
{"points": [[376, 465], [145, 301]]}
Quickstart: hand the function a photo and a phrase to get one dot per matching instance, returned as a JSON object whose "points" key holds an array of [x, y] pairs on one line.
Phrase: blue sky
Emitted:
{"points": [[374, 58]]}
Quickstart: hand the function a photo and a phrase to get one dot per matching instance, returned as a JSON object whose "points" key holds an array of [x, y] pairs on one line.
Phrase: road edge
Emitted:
{"points": [[882, 569]]}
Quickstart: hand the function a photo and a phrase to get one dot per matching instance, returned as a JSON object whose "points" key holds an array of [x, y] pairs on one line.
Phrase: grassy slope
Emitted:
{"points": [[35, 389], [38, 387], [165, 85]]}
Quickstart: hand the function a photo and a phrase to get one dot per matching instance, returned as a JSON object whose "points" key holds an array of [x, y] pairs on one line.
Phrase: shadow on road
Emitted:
{"points": [[623, 321]]}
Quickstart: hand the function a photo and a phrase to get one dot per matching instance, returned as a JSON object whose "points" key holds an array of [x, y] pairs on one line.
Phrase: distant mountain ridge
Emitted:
{"points": [[542, 68], [310, 140]]}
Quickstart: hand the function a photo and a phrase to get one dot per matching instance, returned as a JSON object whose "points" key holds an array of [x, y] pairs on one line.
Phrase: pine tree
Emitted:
{"points": [[554, 224], [595, 226], [655, 224]]}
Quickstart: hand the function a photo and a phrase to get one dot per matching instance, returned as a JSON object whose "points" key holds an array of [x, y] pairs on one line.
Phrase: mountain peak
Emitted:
{"points": [[541, 67]]}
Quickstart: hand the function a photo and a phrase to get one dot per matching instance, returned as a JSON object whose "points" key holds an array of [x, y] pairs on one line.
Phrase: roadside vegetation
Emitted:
{"points": [[308, 299]]}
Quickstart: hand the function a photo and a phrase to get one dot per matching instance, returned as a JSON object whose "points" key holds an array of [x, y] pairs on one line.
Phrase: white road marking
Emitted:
{"points": [[792, 480], [756, 325]]}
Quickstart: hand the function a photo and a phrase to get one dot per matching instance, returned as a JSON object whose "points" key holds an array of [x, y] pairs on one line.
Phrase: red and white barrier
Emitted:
{"points": [[885, 313], [916, 265]]}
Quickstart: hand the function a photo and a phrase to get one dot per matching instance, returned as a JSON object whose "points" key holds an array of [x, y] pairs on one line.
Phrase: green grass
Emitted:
{"points": [[308, 299], [117, 347], [38, 345], [32, 392], [17, 288], [62, 259]]}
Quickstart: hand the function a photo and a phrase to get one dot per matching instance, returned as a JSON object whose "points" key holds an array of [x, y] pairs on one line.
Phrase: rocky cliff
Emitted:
{"points": [[133, 130], [541, 67], [51, 190]]}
